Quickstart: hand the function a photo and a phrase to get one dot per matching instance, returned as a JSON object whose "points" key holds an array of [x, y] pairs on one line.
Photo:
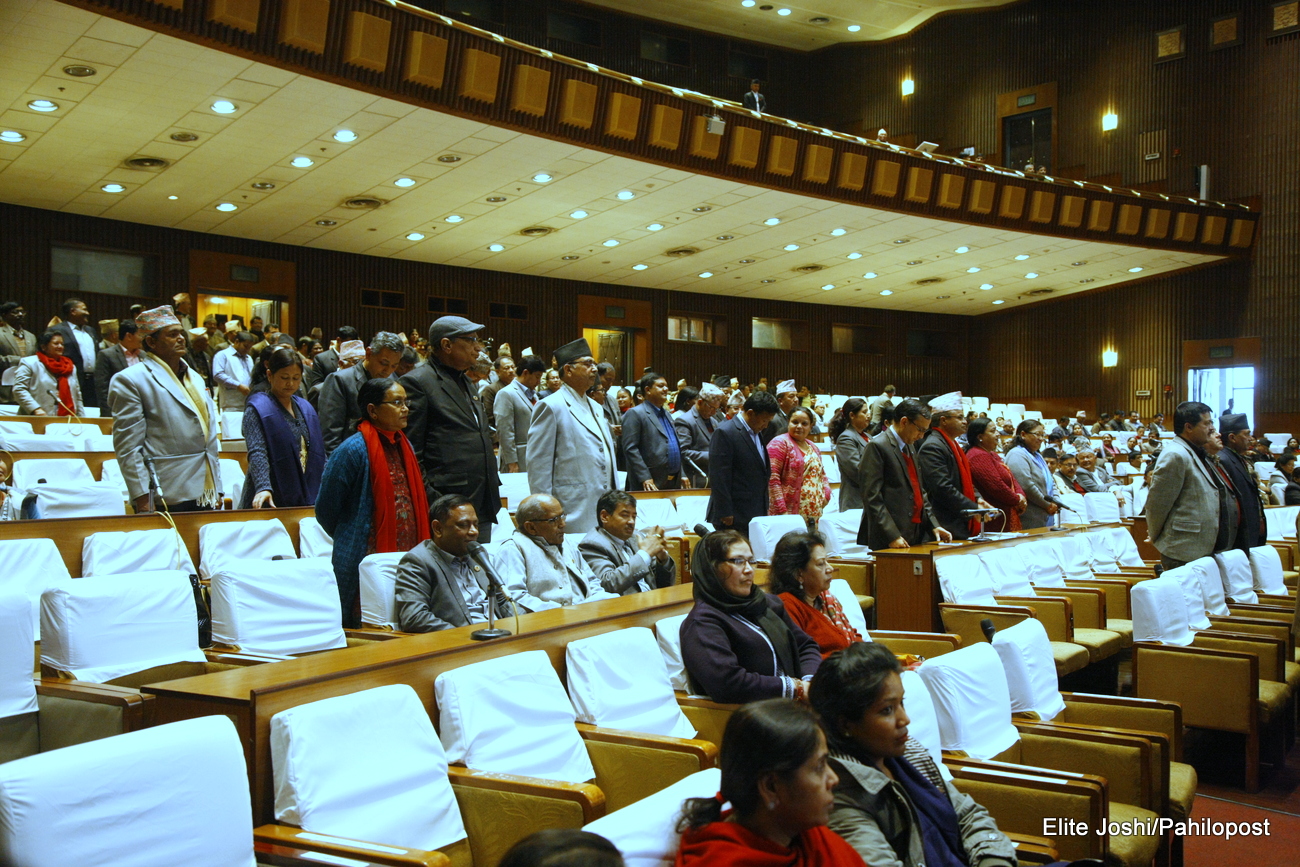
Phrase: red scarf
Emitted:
{"points": [[963, 468], [60, 367], [381, 487], [727, 844]]}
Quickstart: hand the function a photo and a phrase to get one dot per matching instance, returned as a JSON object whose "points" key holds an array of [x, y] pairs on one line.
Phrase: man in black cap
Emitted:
{"points": [[570, 448], [1238, 443], [448, 426]]}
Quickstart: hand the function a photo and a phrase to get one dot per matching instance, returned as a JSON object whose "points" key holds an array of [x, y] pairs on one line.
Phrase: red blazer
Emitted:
{"points": [[999, 487]]}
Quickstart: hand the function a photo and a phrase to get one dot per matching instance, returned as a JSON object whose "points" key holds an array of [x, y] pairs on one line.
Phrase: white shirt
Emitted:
{"points": [[88, 348]]}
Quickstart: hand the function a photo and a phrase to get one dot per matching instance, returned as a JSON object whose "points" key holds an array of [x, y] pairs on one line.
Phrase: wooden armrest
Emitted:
{"points": [[1033, 850], [1119, 770], [1055, 612], [686, 700], [1141, 714], [283, 837], [706, 752], [928, 644], [1280, 629], [238, 657], [1271, 652], [587, 796], [375, 634]]}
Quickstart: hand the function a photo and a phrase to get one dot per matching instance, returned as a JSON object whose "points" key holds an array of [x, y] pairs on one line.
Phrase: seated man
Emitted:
{"points": [[542, 569], [623, 560], [439, 586]]}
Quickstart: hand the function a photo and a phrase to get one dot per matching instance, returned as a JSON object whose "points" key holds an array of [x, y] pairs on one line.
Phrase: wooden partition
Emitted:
{"points": [[251, 696], [41, 423], [96, 460]]}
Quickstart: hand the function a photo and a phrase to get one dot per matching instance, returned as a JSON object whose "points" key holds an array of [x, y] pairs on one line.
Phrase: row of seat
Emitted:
{"points": [[67, 487]]}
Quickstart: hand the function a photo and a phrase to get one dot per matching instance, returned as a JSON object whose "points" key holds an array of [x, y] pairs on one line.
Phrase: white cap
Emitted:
{"points": [[786, 385], [709, 391], [950, 402], [352, 350]]}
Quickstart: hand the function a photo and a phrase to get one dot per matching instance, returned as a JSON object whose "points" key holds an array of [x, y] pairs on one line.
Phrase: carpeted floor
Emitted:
{"points": [[1279, 848]]}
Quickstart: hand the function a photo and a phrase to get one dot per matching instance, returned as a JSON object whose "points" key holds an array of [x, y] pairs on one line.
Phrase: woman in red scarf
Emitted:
{"points": [[992, 477], [46, 383], [371, 497], [802, 577]]}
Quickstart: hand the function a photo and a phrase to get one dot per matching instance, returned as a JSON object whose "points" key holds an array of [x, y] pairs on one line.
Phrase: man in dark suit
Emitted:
{"points": [[448, 427], [624, 560], [945, 474], [694, 431], [337, 404], [896, 512], [16, 342], [81, 344], [753, 100], [114, 359], [1235, 460], [650, 447], [197, 357], [738, 465], [328, 361], [787, 398]]}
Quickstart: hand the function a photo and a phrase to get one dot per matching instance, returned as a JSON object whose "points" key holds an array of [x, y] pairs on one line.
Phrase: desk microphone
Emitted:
{"points": [[71, 412], [479, 555], [701, 530]]}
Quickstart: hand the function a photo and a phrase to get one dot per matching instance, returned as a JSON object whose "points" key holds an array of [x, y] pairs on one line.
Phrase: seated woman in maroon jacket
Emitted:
{"points": [[738, 643], [802, 576]]}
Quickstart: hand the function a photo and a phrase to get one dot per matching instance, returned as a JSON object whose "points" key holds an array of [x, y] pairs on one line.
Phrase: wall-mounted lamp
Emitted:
{"points": [[1109, 121], [909, 87], [1109, 358]]}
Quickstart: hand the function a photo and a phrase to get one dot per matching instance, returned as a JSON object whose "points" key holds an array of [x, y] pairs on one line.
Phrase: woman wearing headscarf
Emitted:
{"points": [[738, 643], [46, 383]]}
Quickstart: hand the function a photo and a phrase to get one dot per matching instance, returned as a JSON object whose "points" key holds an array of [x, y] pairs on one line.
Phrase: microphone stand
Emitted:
{"points": [[696, 468], [494, 589], [155, 490]]}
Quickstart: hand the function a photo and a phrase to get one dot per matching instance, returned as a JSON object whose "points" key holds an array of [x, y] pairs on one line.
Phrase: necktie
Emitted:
{"points": [[918, 505], [532, 395]]}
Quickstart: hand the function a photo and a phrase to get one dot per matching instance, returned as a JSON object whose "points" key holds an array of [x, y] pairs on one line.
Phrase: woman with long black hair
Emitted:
{"points": [[286, 453]]}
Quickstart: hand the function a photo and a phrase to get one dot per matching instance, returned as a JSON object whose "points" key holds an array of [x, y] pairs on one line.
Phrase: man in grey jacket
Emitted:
{"points": [[439, 585], [337, 405], [1184, 514], [623, 560], [695, 430], [541, 567], [513, 412]]}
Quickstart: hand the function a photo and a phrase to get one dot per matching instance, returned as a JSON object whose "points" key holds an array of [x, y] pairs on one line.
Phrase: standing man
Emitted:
{"points": [[945, 472], [328, 361], [624, 560], [513, 409], [896, 511], [165, 420], [232, 372], [1235, 459], [694, 431], [739, 468], [184, 309], [877, 404], [197, 358], [650, 447], [81, 344], [787, 398], [337, 404], [16, 343], [504, 368], [1185, 515], [216, 337], [753, 100], [448, 428], [570, 447], [114, 359], [255, 329]]}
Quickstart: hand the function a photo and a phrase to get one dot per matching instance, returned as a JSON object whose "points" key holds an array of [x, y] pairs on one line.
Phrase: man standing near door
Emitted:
{"points": [[513, 409]]}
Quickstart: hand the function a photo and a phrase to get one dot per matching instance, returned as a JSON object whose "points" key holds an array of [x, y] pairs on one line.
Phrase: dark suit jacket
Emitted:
{"points": [[754, 101], [1250, 533], [693, 438], [448, 430], [887, 497], [201, 363], [428, 596], [321, 366], [110, 361], [72, 349], [738, 475], [942, 482], [337, 405], [780, 424], [645, 447]]}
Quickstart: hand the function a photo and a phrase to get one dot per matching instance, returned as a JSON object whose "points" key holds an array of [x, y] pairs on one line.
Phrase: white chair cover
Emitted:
{"points": [[17, 688], [619, 680], [232, 479], [281, 607], [367, 766], [111, 474], [1279, 441], [1207, 571], [1102, 507], [962, 578], [1281, 522], [831, 468], [64, 472], [1026, 654], [29, 442], [1074, 509], [90, 412], [1010, 574], [1189, 581], [18, 427], [691, 510], [313, 541], [668, 632], [93, 500], [646, 831], [1123, 546], [766, 531], [1277, 490], [848, 600], [1238, 582], [163, 796], [379, 589], [223, 543], [1074, 556], [923, 722], [841, 532], [970, 694], [1103, 557], [97, 442], [480, 707], [660, 512], [514, 487], [232, 425], [120, 553], [1263, 469], [97, 629], [35, 565], [1266, 568], [1160, 612]]}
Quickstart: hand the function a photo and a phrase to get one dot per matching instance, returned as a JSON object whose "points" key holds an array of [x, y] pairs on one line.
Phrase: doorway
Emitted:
{"points": [[1224, 389], [1027, 139], [613, 346], [225, 307]]}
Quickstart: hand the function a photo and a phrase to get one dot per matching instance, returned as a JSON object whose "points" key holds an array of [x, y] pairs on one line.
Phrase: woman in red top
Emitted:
{"points": [[991, 476], [802, 576], [776, 776]]}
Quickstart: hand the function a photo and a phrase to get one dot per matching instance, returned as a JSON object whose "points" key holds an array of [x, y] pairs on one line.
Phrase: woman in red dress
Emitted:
{"points": [[991, 476]]}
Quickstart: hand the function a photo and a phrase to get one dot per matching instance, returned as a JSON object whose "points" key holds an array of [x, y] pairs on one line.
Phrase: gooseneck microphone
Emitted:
{"points": [[479, 555]]}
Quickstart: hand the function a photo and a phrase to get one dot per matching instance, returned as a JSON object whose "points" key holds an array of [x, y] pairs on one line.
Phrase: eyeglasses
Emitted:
{"points": [[741, 562], [557, 519], [400, 404]]}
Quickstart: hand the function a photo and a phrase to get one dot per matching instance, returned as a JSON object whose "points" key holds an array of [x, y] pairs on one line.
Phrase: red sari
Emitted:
{"points": [[727, 844]]}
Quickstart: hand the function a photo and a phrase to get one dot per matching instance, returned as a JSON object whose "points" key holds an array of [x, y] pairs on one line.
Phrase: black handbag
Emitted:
{"points": [[204, 614]]}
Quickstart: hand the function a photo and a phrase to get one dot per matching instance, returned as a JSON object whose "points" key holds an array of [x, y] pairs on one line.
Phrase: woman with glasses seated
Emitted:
{"points": [[371, 497], [738, 643], [802, 575]]}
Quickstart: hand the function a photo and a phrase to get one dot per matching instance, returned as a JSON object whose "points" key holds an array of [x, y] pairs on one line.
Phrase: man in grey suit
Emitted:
{"points": [[542, 568], [623, 560], [650, 448], [1185, 517], [896, 511], [114, 359], [16, 343], [570, 448], [81, 344], [337, 404], [164, 419], [504, 367], [513, 408], [694, 431], [439, 585], [328, 361]]}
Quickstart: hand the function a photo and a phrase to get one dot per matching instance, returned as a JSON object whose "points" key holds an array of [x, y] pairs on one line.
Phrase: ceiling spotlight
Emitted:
{"points": [[611, 243], [790, 248], [1134, 270], [43, 105], [455, 218], [901, 240], [496, 248], [1022, 257], [768, 280], [625, 195], [12, 136], [972, 270], [1077, 264], [345, 136], [496, 200], [999, 301], [173, 198], [568, 258], [415, 236], [702, 209], [1031, 275], [725, 237], [327, 223], [541, 177], [747, 261], [915, 262], [183, 136], [448, 158], [655, 227], [706, 274], [224, 106], [227, 206], [262, 185], [77, 70], [748, 3], [828, 287], [404, 182], [986, 286], [771, 221], [870, 275], [113, 188], [962, 250], [838, 232], [578, 214], [301, 162], [783, 12], [886, 291], [639, 267], [854, 256], [854, 28]]}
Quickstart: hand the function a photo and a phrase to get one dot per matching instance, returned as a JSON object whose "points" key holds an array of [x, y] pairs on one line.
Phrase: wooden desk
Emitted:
{"points": [[1138, 527], [40, 423], [251, 696]]}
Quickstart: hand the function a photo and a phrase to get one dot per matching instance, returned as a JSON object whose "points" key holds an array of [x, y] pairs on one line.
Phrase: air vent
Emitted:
{"points": [[147, 163], [536, 231], [809, 269], [363, 203], [679, 252], [1038, 293], [928, 280], [819, 20]]}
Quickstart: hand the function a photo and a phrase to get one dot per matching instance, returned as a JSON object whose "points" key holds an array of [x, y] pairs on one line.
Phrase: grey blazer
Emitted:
{"points": [[540, 576], [110, 362], [513, 414], [1183, 504], [12, 352], [848, 454], [1026, 471], [35, 388], [621, 567], [153, 416], [428, 596], [571, 455], [337, 405], [888, 497], [693, 439], [645, 447]]}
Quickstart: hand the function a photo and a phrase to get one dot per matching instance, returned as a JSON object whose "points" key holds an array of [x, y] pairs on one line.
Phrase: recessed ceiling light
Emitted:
{"points": [[706, 274], [224, 106], [302, 162], [828, 287], [404, 182], [1031, 275], [345, 136], [783, 12], [262, 185], [1134, 270], [578, 214], [725, 237], [702, 209], [902, 240], [768, 280], [838, 232], [962, 250], [790, 247], [12, 136], [448, 158], [415, 236], [455, 218], [854, 28], [886, 291], [496, 248], [625, 195], [227, 206], [183, 136], [972, 270], [1088, 280], [870, 275], [43, 105], [327, 223], [541, 177], [943, 297], [771, 221], [915, 262], [639, 267], [1022, 257], [113, 188], [854, 256], [496, 200], [748, 3], [612, 242], [78, 70], [986, 286], [568, 258], [746, 261], [999, 301], [1077, 264], [173, 198], [655, 227]]}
